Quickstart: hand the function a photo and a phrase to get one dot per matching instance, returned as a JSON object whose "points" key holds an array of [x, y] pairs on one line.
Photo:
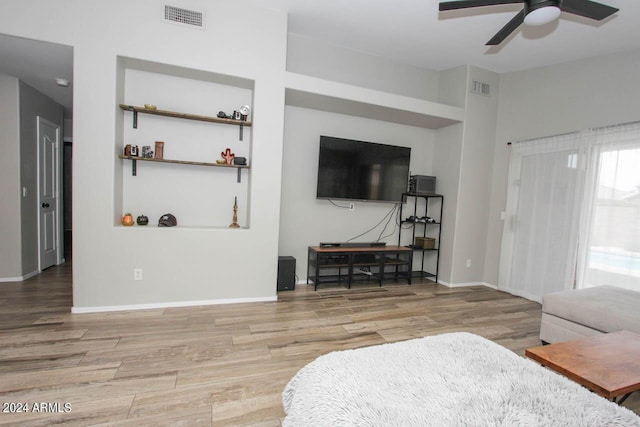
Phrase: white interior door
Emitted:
{"points": [[48, 145]]}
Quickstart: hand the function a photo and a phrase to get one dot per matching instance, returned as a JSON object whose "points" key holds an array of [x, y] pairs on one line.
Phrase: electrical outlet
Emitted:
{"points": [[352, 207], [468, 263], [137, 274]]}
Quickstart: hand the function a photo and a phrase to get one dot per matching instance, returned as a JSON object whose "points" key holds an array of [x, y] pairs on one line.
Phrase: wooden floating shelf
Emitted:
{"points": [[182, 162], [177, 115], [240, 123], [134, 159]]}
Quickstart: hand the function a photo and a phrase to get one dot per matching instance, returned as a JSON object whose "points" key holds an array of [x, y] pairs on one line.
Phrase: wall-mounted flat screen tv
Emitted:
{"points": [[358, 170]]}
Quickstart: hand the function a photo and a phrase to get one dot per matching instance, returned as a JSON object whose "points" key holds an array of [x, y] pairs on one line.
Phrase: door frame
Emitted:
{"points": [[58, 195]]}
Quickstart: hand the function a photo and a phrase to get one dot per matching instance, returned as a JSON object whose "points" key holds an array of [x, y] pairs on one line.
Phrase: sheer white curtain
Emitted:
{"points": [[573, 213], [539, 242], [610, 227]]}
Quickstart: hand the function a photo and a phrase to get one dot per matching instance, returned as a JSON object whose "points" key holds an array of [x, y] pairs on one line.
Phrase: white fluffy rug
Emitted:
{"points": [[456, 379]]}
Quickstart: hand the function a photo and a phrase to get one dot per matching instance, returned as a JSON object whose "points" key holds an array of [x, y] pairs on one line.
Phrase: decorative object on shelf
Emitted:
{"points": [[159, 150], [235, 224], [425, 242], [228, 155], [142, 220], [244, 113], [150, 107], [236, 115], [167, 220], [221, 162], [127, 219], [147, 152], [240, 161], [223, 115], [131, 150]]}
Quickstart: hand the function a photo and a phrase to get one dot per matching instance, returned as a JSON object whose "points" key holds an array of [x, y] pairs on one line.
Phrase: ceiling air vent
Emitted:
{"points": [[177, 15], [480, 88]]}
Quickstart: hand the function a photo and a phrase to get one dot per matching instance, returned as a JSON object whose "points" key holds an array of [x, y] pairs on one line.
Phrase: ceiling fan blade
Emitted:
{"points": [[463, 4], [507, 29], [588, 9]]}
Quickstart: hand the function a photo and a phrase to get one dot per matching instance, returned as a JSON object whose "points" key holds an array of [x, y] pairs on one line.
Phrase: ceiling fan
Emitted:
{"points": [[535, 12]]}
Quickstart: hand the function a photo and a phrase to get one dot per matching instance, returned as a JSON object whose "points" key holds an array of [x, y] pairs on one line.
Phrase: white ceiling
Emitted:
{"points": [[415, 32], [406, 31], [39, 64]]}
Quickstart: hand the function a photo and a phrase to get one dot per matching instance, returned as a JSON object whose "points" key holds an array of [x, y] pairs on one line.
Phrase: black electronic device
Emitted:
{"points": [[352, 244], [286, 273], [358, 170], [422, 184]]}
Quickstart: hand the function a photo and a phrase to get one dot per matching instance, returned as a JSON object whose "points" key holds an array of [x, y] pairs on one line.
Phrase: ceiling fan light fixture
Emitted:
{"points": [[542, 15]]}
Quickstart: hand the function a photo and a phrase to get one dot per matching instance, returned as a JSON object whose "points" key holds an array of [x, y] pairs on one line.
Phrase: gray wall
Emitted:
{"points": [[20, 105], [554, 100], [32, 105], [10, 252]]}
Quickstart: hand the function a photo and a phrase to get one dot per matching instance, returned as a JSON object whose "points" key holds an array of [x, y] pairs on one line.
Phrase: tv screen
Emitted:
{"points": [[358, 170]]}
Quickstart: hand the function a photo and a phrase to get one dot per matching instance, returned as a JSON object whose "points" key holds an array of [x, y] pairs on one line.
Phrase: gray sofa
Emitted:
{"points": [[579, 313]]}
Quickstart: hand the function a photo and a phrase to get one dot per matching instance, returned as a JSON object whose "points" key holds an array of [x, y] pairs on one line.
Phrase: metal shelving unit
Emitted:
{"points": [[421, 228]]}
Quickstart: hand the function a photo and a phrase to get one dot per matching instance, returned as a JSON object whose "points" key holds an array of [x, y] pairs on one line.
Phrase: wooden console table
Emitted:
{"points": [[368, 262]]}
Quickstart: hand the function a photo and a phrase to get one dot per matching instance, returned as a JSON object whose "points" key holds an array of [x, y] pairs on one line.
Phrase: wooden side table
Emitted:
{"points": [[607, 364]]}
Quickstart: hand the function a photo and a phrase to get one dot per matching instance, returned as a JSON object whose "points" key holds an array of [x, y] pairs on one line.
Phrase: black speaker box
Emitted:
{"points": [[286, 273]]}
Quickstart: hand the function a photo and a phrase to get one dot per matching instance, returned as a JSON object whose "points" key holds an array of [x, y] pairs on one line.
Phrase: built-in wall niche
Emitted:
{"points": [[189, 185]]}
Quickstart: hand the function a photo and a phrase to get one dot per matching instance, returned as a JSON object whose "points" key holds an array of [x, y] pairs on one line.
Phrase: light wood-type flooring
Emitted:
{"points": [[215, 365]]}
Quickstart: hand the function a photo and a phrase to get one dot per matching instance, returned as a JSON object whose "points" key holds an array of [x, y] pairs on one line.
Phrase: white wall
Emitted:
{"points": [[306, 221], [554, 100], [338, 64], [180, 265], [10, 229]]}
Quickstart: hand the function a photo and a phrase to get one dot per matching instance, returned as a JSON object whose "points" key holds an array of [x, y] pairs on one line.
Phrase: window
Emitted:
{"points": [[614, 235]]}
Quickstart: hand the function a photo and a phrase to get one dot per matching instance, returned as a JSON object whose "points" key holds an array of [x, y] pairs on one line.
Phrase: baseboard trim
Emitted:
{"points": [[134, 307], [19, 278], [466, 284], [441, 282]]}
